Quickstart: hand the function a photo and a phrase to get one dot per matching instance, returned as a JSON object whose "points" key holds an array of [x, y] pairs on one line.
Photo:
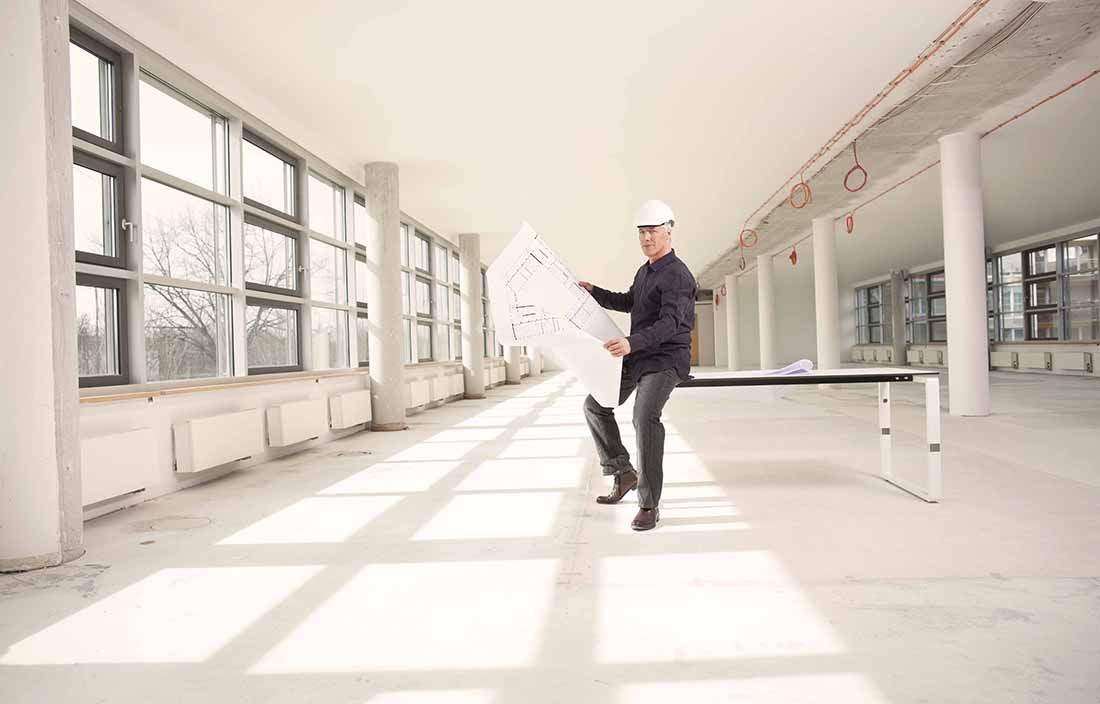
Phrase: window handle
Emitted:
{"points": [[127, 225]]}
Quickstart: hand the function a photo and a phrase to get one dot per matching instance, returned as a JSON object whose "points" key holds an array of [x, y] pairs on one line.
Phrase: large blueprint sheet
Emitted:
{"points": [[535, 300]]}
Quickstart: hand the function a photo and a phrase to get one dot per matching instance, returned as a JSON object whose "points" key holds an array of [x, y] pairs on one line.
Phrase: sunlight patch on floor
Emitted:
{"points": [[317, 519], [174, 615], [484, 516], [443, 615]]}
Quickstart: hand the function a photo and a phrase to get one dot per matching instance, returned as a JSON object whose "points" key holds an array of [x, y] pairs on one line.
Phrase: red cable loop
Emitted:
{"points": [[793, 256], [748, 238], [857, 168], [803, 188], [741, 263], [850, 222]]}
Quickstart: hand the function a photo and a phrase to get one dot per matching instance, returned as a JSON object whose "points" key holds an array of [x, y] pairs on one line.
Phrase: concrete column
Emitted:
{"points": [[733, 332], [387, 367], [765, 287], [826, 294], [513, 371], [964, 271], [897, 315], [473, 343], [535, 355], [41, 517]]}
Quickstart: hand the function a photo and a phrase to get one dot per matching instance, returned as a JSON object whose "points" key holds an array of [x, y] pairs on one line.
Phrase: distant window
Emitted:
{"points": [[326, 207], [95, 86], [271, 330], [100, 331], [97, 211], [270, 257]]}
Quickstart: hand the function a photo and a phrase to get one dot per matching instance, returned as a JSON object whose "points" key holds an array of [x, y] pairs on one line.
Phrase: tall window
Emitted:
{"points": [[1041, 297], [1081, 286], [873, 319], [270, 257], [926, 309], [185, 232], [1008, 297], [488, 333]]}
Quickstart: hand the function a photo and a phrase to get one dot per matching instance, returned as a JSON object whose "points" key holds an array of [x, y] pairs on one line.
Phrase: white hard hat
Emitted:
{"points": [[652, 213]]}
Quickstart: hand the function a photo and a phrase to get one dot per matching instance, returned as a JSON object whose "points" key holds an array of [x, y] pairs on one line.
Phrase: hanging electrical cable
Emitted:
{"points": [[849, 220], [858, 168], [803, 188], [793, 256]]}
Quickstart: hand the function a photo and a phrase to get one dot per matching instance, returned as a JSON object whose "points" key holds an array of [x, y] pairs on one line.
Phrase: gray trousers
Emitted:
{"points": [[653, 391]]}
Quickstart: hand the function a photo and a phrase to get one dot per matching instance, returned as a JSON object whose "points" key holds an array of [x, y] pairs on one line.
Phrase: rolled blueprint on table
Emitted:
{"points": [[536, 300]]}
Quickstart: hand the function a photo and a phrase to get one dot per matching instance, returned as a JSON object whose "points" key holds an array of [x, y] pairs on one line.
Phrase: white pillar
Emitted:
{"points": [[964, 271], [897, 316], [513, 361], [826, 294], [535, 355], [733, 333], [41, 517], [765, 286], [385, 338], [473, 342]]}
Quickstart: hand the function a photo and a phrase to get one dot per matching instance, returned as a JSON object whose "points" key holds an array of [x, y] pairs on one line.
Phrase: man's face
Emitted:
{"points": [[654, 239]]}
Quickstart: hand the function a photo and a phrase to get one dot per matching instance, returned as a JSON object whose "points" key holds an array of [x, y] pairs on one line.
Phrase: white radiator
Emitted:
{"points": [[458, 384], [117, 464], [1003, 359], [349, 409], [857, 355], [1073, 361], [440, 387], [884, 355], [498, 375], [933, 358], [913, 356], [417, 393], [1035, 360], [202, 443], [294, 422]]}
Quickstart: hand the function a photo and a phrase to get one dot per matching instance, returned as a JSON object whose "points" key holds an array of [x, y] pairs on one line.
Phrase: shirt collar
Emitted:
{"points": [[662, 262]]}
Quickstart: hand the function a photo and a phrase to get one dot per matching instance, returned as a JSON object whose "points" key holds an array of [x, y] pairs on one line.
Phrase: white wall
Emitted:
{"points": [[704, 319], [721, 354], [796, 321]]}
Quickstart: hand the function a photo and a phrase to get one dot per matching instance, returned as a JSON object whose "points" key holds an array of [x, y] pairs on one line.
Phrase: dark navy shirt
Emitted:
{"points": [[661, 303]]}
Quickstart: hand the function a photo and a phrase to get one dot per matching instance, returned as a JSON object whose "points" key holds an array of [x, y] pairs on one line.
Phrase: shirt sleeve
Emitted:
{"points": [[622, 302], [676, 296]]}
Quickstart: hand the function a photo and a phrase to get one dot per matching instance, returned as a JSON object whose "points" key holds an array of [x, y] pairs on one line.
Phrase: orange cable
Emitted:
{"points": [[849, 220], [930, 51]]}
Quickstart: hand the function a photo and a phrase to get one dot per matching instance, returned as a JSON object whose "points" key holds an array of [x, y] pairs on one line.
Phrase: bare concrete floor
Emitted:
{"points": [[465, 561]]}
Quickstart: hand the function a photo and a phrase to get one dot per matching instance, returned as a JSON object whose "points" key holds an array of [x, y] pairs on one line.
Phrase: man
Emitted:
{"points": [[656, 357]]}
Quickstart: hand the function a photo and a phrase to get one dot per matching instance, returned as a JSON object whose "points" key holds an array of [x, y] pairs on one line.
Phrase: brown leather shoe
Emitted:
{"points": [[624, 482], [646, 519]]}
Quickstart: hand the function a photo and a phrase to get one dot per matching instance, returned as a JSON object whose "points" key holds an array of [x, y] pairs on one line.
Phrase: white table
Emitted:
{"points": [[883, 376]]}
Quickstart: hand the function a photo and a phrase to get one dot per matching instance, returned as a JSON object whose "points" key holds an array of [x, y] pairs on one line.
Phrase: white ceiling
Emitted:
{"points": [[568, 114]]}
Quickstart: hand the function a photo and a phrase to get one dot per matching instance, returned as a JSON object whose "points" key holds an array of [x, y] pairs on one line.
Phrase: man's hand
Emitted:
{"points": [[619, 347], [585, 285]]}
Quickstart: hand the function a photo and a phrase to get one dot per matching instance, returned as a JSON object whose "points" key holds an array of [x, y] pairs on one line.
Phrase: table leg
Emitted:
{"points": [[932, 433], [885, 439]]}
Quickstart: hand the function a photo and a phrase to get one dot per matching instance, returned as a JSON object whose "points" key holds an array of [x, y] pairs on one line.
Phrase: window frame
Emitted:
{"points": [[259, 142], [360, 256], [99, 49], [94, 163], [1032, 310], [257, 221], [272, 303], [361, 315], [123, 376]]}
